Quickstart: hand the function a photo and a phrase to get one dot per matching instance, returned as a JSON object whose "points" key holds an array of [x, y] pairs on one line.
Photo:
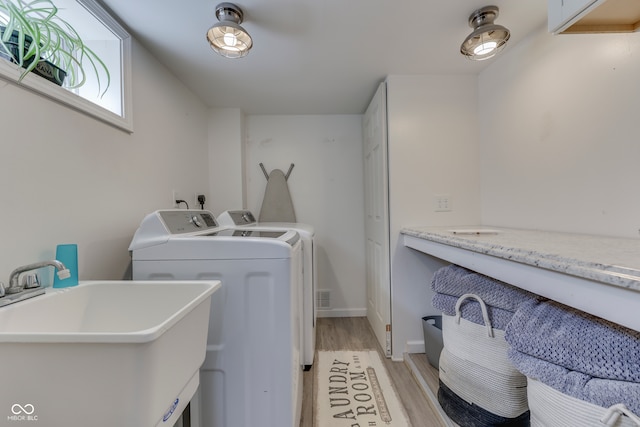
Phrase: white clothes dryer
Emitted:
{"points": [[251, 374], [243, 219]]}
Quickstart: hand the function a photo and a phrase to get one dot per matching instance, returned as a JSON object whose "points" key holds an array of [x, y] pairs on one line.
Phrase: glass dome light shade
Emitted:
{"points": [[229, 39], [485, 42]]}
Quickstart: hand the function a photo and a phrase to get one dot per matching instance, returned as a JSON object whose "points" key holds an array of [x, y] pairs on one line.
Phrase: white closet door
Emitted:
{"points": [[377, 218]]}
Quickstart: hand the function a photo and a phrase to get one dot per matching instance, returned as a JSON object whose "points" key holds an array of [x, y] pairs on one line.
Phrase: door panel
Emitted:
{"points": [[377, 218]]}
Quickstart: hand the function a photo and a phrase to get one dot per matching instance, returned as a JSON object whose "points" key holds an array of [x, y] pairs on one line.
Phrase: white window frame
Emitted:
{"points": [[11, 73]]}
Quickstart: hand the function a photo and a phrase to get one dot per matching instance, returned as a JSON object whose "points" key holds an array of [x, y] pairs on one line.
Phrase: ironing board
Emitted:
{"points": [[277, 205]]}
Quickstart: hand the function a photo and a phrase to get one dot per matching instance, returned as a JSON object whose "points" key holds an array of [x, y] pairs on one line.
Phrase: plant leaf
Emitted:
{"points": [[52, 39]]}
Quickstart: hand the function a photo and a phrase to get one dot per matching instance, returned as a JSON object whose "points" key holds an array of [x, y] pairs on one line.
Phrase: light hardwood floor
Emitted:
{"points": [[354, 333]]}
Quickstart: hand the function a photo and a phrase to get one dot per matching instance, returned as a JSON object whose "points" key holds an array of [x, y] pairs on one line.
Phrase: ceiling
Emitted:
{"points": [[315, 56]]}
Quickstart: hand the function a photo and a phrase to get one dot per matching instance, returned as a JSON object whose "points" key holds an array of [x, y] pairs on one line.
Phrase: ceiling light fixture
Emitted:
{"points": [[227, 37], [487, 38]]}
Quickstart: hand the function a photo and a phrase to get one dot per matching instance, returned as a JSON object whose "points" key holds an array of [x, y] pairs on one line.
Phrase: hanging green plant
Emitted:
{"points": [[35, 37]]}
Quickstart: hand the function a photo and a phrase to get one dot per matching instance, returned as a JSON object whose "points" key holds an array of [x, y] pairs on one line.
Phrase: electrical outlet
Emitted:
{"points": [[442, 203], [196, 202], [175, 195]]}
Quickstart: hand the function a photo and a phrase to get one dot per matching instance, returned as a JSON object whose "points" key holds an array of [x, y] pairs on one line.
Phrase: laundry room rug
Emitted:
{"points": [[354, 388]]}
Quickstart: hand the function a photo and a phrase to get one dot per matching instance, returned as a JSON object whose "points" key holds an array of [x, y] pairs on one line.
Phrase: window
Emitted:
{"points": [[112, 44]]}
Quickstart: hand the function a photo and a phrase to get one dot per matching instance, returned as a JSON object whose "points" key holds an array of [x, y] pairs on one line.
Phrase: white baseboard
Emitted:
{"points": [[349, 312], [414, 347]]}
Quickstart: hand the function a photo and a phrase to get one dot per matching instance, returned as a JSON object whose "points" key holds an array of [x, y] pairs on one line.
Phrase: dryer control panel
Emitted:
{"points": [[240, 217]]}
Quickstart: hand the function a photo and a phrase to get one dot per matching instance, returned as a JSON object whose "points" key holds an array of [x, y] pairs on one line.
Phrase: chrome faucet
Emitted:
{"points": [[14, 285]]}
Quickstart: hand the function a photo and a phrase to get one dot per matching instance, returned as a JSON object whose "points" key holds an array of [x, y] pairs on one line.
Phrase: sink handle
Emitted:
{"points": [[31, 281]]}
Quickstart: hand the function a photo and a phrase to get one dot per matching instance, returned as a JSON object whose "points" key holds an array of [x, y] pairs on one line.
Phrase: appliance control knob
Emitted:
{"points": [[195, 221]]}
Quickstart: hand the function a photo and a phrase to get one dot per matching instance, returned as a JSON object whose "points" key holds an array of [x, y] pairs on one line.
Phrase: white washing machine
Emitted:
{"points": [[251, 375], [243, 219]]}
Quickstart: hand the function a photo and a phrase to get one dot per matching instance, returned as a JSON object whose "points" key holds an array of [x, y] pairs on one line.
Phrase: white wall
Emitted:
{"points": [[226, 160], [68, 178], [326, 186], [433, 150], [559, 125]]}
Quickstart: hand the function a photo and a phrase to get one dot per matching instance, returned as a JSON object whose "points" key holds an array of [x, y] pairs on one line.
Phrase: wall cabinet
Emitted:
{"points": [[593, 16], [563, 12]]}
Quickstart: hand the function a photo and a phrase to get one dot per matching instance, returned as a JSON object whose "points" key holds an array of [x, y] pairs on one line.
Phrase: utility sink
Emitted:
{"points": [[107, 353]]}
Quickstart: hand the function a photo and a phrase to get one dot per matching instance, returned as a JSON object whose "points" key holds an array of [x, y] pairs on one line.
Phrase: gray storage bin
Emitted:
{"points": [[432, 327]]}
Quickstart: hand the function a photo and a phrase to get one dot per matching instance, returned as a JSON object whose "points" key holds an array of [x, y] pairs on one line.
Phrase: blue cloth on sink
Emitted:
{"points": [[601, 392], [456, 281], [471, 311], [575, 340]]}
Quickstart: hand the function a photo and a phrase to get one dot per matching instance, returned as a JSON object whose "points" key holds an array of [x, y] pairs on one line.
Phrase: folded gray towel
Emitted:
{"points": [[457, 281], [601, 392], [575, 340], [471, 311]]}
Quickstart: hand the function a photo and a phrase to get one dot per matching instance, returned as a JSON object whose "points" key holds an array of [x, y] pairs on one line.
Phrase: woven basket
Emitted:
{"points": [[474, 365], [549, 407]]}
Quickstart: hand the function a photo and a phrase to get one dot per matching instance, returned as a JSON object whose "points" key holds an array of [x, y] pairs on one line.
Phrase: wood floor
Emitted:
{"points": [[354, 333]]}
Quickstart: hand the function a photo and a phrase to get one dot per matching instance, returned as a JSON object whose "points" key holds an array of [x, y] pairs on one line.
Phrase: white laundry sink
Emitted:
{"points": [[110, 353]]}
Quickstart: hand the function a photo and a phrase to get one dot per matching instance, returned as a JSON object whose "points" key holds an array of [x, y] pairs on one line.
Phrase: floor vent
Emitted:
{"points": [[323, 300]]}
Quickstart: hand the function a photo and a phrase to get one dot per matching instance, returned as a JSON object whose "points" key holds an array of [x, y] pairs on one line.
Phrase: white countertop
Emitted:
{"points": [[596, 274], [610, 260]]}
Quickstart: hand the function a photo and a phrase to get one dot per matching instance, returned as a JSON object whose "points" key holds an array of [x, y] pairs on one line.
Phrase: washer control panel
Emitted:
{"points": [[187, 221]]}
